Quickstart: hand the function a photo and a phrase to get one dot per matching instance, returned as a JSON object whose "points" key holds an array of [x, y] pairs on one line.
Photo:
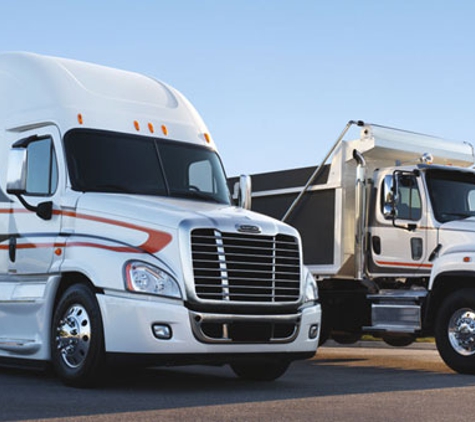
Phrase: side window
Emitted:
{"points": [[408, 206], [42, 169]]}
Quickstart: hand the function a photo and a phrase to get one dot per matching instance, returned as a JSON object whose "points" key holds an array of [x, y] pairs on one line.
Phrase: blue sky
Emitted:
{"points": [[276, 81]]}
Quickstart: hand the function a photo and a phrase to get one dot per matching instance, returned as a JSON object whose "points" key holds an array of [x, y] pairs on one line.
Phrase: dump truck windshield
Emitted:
{"points": [[452, 194], [100, 161]]}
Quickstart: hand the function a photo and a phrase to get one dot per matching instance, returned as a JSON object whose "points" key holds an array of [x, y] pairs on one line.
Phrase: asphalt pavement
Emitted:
{"points": [[362, 383]]}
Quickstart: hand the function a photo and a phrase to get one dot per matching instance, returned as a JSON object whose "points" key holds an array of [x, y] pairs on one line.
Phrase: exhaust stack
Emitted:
{"points": [[360, 215]]}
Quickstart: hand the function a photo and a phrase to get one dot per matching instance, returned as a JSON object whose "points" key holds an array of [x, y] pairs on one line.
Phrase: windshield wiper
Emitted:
{"points": [[108, 188], [461, 215], [196, 195]]}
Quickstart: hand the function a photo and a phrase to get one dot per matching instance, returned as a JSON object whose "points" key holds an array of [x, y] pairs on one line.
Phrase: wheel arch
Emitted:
{"points": [[70, 278], [444, 285]]}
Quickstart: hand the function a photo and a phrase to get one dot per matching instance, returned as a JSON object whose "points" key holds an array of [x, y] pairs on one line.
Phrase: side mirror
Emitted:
{"points": [[16, 182], [16, 175], [244, 193], [390, 197]]}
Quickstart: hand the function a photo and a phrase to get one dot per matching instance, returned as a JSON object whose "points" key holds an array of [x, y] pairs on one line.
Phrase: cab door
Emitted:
{"points": [[27, 247], [5, 216], [400, 239], [32, 238]]}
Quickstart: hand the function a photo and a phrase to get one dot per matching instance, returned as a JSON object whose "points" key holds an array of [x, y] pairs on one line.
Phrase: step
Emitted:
{"points": [[20, 346]]}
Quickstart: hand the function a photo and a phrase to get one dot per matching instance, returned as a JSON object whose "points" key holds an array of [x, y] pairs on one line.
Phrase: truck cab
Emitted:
{"points": [[425, 201], [119, 240]]}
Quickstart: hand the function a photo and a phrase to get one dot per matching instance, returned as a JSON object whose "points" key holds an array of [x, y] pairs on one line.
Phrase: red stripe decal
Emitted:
{"points": [[403, 264], [156, 241]]}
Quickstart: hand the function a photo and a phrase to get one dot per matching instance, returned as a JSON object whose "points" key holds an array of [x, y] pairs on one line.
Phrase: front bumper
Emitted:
{"points": [[128, 321]]}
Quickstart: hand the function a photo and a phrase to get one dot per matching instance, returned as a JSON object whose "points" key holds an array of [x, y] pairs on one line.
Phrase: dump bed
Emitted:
{"points": [[325, 215]]}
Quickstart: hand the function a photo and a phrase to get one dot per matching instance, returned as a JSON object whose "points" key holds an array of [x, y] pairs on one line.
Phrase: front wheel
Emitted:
{"points": [[455, 331], [77, 340], [260, 370]]}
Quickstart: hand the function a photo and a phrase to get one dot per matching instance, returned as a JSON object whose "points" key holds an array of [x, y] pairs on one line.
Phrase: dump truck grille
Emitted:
{"points": [[245, 268]]}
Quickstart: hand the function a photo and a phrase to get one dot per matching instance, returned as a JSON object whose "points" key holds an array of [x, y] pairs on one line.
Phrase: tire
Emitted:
{"points": [[346, 338], [324, 336], [260, 370], [325, 331], [455, 331], [401, 340], [77, 339]]}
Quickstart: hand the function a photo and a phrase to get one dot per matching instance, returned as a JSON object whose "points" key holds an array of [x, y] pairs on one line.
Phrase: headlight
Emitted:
{"points": [[311, 288], [145, 278]]}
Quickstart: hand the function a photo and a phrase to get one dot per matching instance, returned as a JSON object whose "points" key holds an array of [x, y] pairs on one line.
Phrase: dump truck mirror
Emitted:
{"points": [[245, 190], [390, 196]]}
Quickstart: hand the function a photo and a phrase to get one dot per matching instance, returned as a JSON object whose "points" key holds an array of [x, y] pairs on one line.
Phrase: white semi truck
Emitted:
{"points": [[388, 228], [118, 238]]}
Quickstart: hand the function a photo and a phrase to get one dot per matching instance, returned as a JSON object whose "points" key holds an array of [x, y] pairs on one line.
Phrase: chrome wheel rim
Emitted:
{"points": [[461, 331], [73, 336]]}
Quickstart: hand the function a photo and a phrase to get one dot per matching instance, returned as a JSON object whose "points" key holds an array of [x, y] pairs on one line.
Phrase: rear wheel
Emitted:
{"points": [[77, 340], [399, 340], [455, 331], [260, 370], [346, 338]]}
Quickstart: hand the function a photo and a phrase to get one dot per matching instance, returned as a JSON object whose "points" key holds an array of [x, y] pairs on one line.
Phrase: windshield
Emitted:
{"points": [[452, 194], [100, 161]]}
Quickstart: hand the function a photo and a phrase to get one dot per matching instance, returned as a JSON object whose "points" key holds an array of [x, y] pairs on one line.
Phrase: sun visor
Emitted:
{"points": [[383, 144]]}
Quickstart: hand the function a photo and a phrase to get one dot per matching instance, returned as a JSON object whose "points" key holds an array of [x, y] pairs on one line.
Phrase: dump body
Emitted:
{"points": [[325, 217]]}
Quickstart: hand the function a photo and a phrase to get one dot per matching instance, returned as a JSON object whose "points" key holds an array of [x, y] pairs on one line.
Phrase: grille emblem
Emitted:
{"points": [[247, 228]]}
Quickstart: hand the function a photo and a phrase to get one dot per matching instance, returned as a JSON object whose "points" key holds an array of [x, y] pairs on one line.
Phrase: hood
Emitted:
{"points": [[464, 225], [457, 235], [151, 222]]}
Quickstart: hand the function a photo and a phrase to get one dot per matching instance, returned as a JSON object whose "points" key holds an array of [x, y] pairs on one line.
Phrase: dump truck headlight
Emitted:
{"points": [[145, 278]]}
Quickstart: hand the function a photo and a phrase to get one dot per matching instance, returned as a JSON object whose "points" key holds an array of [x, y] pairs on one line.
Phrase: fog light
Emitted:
{"points": [[162, 331], [313, 331]]}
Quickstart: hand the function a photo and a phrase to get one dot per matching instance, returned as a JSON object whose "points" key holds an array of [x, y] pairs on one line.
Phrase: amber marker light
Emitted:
{"points": [[208, 138], [58, 251], [151, 128], [136, 125], [80, 120], [467, 259], [164, 130]]}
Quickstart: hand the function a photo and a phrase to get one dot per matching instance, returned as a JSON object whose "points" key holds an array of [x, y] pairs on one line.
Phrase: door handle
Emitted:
{"points": [[12, 248], [376, 241], [416, 248]]}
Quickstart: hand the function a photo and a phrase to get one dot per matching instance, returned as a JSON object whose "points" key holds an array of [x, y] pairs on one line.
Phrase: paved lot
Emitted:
{"points": [[339, 384]]}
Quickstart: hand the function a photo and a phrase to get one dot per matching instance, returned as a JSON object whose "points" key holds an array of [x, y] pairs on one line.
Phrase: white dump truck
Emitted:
{"points": [[118, 238], [388, 228]]}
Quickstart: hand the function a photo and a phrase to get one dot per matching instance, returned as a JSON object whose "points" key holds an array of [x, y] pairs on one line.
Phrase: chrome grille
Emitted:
{"points": [[245, 268]]}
